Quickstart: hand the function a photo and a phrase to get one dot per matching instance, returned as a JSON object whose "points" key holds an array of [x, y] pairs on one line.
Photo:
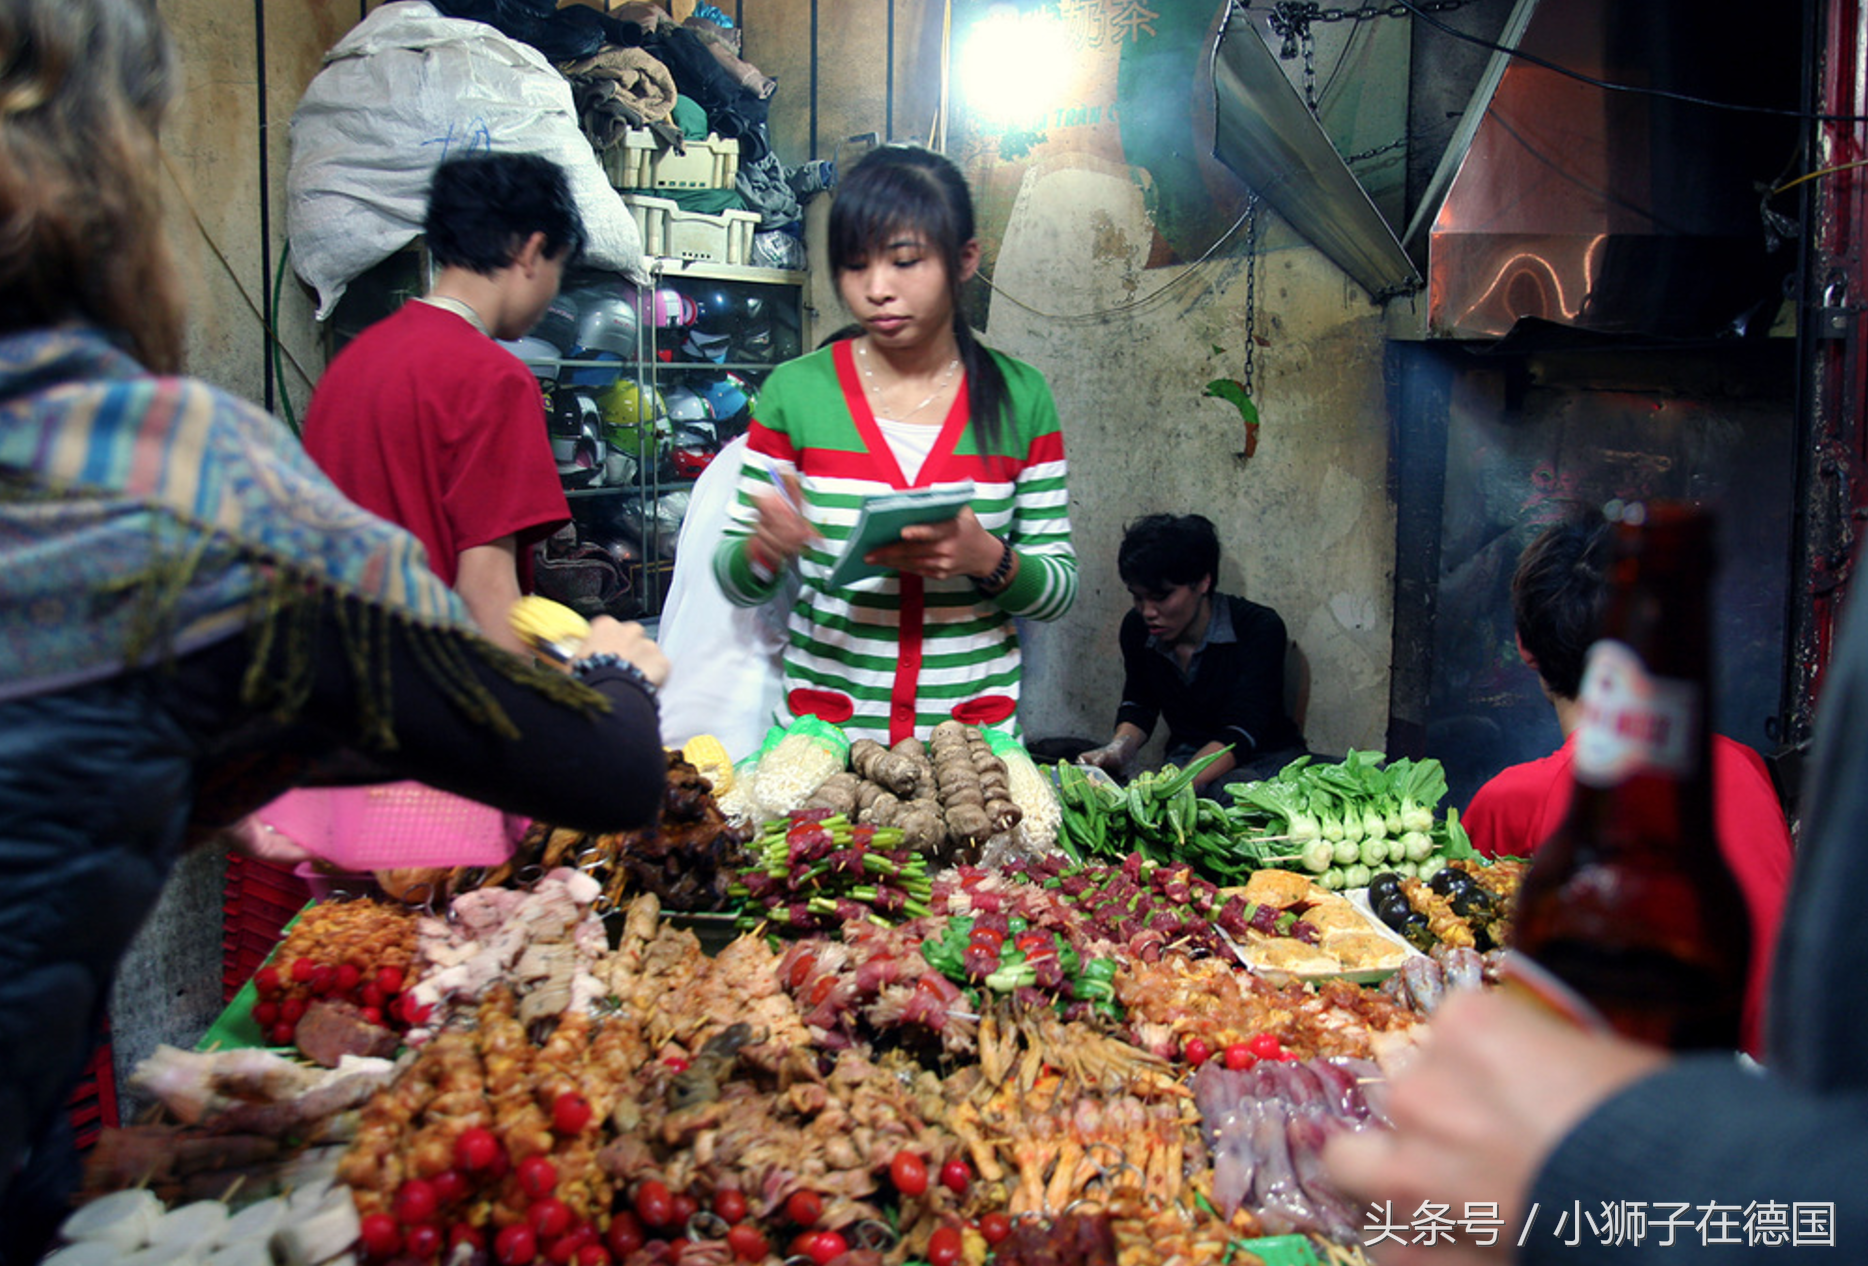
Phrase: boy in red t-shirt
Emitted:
{"points": [[428, 422]]}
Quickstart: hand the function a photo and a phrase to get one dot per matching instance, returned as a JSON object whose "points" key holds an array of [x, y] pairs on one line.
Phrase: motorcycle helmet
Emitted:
{"points": [[719, 313], [608, 323], [584, 468], [633, 418], [693, 447], [674, 310], [731, 398], [686, 405], [539, 356], [558, 326]]}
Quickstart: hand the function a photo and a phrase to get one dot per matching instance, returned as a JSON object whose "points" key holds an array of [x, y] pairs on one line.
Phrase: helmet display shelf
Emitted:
{"points": [[642, 386]]}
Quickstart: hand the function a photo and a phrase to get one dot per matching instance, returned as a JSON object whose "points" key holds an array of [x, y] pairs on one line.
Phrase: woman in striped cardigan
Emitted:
{"points": [[912, 400]]}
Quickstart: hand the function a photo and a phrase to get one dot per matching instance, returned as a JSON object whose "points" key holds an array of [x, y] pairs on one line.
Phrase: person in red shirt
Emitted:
{"points": [[426, 421], [1557, 594]]}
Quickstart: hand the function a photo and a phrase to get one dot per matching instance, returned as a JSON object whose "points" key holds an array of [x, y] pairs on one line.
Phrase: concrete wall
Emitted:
{"points": [[1305, 523]]}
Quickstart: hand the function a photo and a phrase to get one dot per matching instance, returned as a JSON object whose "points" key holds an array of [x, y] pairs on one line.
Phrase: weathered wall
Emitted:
{"points": [[1305, 523]]}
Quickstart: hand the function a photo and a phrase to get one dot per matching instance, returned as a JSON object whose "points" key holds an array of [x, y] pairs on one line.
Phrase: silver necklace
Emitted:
{"points": [[875, 388]]}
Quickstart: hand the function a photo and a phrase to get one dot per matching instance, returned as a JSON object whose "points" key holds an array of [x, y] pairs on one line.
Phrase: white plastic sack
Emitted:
{"points": [[406, 88]]}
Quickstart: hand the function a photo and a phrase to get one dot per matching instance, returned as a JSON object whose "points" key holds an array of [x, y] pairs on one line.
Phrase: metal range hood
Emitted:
{"points": [[1265, 133], [1557, 202]]}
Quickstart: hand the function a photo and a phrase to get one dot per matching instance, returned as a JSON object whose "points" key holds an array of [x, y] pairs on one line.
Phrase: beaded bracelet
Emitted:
{"points": [[996, 580], [585, 665]]}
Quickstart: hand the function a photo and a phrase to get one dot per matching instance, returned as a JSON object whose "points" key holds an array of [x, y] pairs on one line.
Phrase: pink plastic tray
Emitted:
{"points": [[393, 825]]}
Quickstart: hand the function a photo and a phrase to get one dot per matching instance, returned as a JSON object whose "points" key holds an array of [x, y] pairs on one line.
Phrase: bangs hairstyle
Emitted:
{"points": [[1160, 550], [483, 208], [900, 189], [83, 87], [1558, 594]]}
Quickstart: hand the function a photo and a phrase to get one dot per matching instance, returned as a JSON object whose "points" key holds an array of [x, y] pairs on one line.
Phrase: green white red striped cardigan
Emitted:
{"points": [[897, 654]]}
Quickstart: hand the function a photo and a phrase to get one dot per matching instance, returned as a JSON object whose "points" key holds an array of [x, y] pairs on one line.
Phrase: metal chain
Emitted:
{"points": [[1379, 150], [1247, 370], [1292, 18]]}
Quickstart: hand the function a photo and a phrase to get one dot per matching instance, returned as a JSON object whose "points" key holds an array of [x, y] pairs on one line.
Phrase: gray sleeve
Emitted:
{"points": [[1707, 1162]]}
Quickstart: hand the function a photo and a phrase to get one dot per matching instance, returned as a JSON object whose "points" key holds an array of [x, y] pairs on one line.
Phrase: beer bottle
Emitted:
{"points": [[1629, 904]]}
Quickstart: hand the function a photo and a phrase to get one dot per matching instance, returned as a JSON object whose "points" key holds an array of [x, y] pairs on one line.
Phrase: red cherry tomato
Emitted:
{"points": [[283, 1033], [389, 979], [801, 969], [450, 1186], [686, 1206], [655, 1206], [729, 1205], [301, 970], [550, 1217], [676, 1063], [1266, 1046], [987, 936], [1239, 1057], [422, 1240], [994, 1227], [291, 1011], [909, 1173], [349, 976], [266, 982], [370, 1015], [415, 1201], [1032, 940], [956, 1175], [462, 1233], [516, 1245], [804, 1207], [593, 1255], [945, 1247], [1196, 1051], [570, 1113], [265, 1014], [826, 1247], [476, 1149], [747, 1242], [379, 1235], [537, 1176], [801, 1244], [371, 996], [625, 1234]]}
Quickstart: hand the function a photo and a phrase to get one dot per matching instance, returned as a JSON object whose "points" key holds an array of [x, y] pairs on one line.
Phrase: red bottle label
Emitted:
{"points": [[1632, 721]]}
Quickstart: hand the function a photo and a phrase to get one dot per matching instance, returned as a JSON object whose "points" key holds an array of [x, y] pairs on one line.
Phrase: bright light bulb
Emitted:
{"points": [[1015, 68]]}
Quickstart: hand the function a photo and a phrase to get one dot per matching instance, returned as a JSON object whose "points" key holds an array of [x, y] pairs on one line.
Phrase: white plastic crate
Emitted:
{"points": [[669, 232], [641, 162]]}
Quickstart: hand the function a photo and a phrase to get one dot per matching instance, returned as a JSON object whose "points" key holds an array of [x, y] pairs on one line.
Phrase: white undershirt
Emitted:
{"points": [[911, 442]]}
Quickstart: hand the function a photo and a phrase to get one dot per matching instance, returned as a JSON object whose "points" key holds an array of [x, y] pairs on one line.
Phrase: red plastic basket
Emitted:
{"points": [[93, 1104], [261, 898]]}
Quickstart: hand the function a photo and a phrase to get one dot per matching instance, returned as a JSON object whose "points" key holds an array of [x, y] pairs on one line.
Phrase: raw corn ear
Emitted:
{"points": [[550, 628], [707, 754]]}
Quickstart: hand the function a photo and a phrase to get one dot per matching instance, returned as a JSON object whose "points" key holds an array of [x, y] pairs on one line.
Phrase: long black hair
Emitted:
{"points": [[906, 187]]}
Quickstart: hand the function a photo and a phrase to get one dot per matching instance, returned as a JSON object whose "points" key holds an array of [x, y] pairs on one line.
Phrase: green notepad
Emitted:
{"points": [[882, 518]]}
